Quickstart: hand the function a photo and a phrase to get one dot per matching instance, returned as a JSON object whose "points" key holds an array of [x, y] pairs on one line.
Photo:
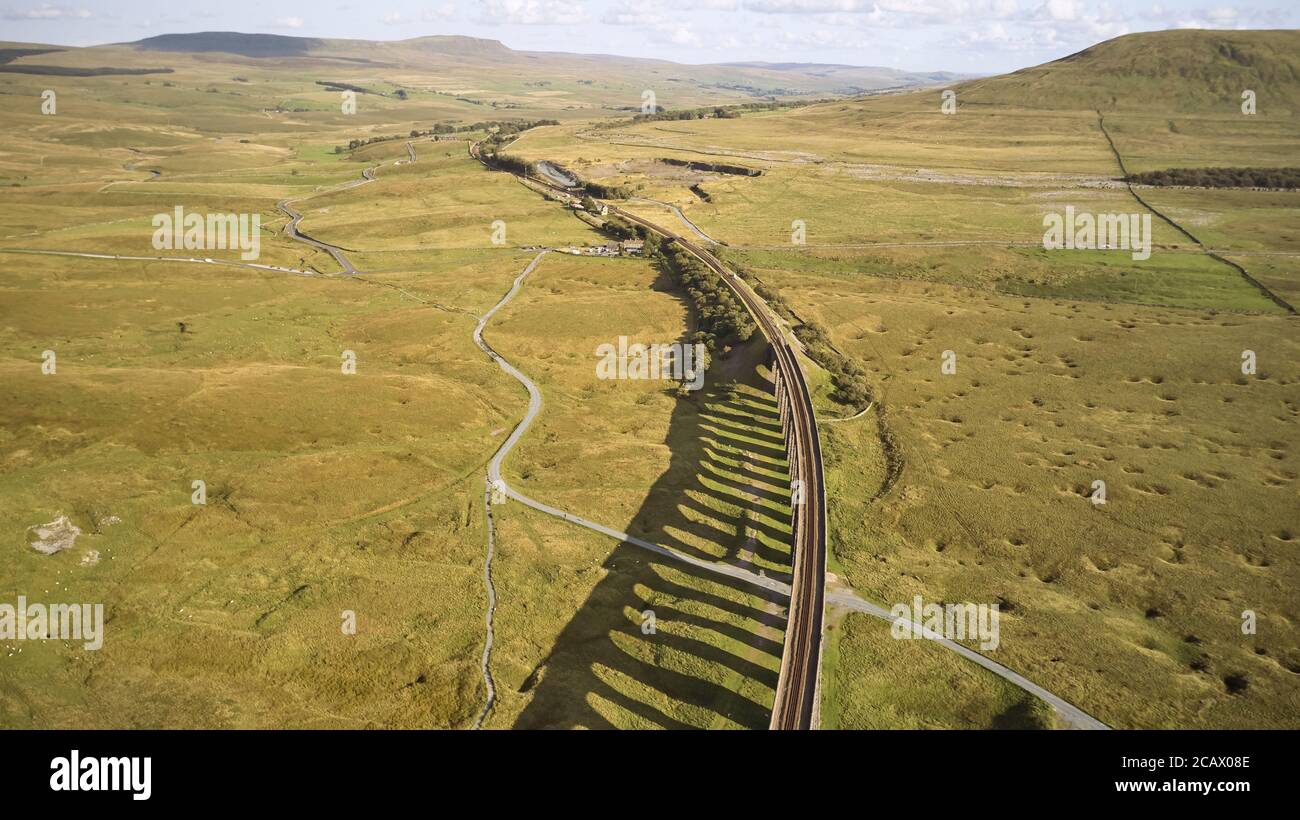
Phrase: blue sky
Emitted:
{"points": [[984, 36]]}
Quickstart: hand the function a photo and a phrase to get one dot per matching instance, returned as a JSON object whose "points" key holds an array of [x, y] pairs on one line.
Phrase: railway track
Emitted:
{"points": [[797, 703]]}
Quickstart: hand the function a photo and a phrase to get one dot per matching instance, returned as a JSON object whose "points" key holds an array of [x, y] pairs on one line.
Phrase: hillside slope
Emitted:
{"points": [[1182, 71]]}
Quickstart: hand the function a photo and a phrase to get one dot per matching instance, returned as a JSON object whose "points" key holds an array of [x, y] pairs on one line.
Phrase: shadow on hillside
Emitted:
{"points": [[715, 654]]}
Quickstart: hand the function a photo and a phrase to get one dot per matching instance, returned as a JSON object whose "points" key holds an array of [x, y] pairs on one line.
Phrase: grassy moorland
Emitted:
{"points": [[924, 235], [325, 492], [330, 492], [876, 682]]}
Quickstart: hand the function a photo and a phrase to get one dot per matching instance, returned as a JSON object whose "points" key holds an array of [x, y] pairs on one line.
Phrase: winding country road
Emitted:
{"points": [[286, 205], [292, 230]]}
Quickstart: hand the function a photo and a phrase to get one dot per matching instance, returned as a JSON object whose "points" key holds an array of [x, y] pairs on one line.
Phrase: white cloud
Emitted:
{"points": [[683, 36], [808, 6], [999, 37], [633, 14], [532, 12], [45, 11], [945, 11], [660, 20], [446, 11], [290, 22]]}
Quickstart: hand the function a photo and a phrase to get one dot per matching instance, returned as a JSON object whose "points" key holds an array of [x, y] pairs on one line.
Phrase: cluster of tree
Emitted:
{"points": [[714, 113], [506, 127], [723, 320], [500, 133], [851, 385], [771, 297], [620, 228], [719, 112], [500, 130], [713, 167], [333, 86], [1221, 177], [769, 93], [507, 162], [605, 191]]}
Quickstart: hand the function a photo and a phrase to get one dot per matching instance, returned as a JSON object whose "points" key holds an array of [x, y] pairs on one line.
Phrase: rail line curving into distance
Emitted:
{"points": [[798, 692], [797, 702]]}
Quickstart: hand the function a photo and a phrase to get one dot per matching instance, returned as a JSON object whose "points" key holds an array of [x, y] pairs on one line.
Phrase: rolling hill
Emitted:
{"points": [[469, 58], [1182, 71]]}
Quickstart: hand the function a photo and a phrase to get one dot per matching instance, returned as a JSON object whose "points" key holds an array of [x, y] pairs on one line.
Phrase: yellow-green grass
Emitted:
{"points": [[444, 200], [904, 130], [865, 178], [713, 444], [130, 232], [1179, 70], [326, 492], [1132, 610], [711, 663], [970, 197], [909, 131], [440, 202], [760, 211], [872, 681], [1228, 219], [1179, 278], [1155, 141], [1280, 274]]}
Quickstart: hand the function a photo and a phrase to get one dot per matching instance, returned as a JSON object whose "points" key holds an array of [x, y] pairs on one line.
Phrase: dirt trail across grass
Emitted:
{"points": [[188, 259], [678, 211], [491, 608]]}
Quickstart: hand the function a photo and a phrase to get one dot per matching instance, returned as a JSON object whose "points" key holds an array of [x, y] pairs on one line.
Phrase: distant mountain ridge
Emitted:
{"points": [[231, 42], [281, 45], [755, 77]]}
